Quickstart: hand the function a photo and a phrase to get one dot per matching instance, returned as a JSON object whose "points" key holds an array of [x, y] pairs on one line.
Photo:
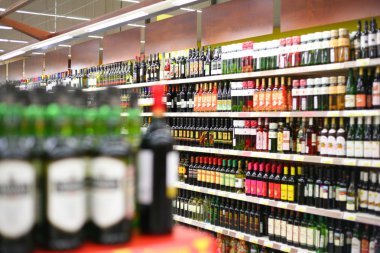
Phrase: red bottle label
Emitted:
{"points": [[271, 190], [259, 188], [254, 187], [248, 186], [264, 189], [276, 191]]}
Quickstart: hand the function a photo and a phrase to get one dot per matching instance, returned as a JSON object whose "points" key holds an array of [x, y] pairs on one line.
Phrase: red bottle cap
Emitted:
{"points": [[267, 167], [158, 107], [296, 83], [251, 84], [296, 40], [250, 166], [262, 165], [247, 124], [273, 169], [303, 82], [282, 42], [220, 161], [253, 123], [279, 169], [256, 166], [215, 160], [245, 85], [289, 41]]}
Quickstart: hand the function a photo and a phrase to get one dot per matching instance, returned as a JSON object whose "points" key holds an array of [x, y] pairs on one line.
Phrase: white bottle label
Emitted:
{"points": [[355, 246], [359, 147], [259, 140], [331, 149], [145, 183], [310, 236], [372, 39], [350, 148], [295, 234], [340, 146], [17, 198], [375, 149], [270, 226], [367, 149], [376, 93], [289, 232], [283, 229], [108, 192], [324, 145], [349, 101], [303, 235], [66, 194]]}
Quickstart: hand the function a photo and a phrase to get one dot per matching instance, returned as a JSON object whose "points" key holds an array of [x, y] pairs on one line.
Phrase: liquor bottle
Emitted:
{"points": [[202, 62], [303, 95], [268, 96], [327, 191], [183, 99], [157, 66], [284, 185], [292, 190], [359, 139], [239, 179], [310, 94], [207, 63], [296, 230], [296, 96], [364, 50], [324, 138], [367, 140], [287, 142], [372, 39], [341, 139], [376, 89], [360, 97], [376, 139], [311, 139], [368, 79], [262, 90], [195, 63], [310, 186], [136, 71], [265, 180], [350, 97], [301, 140], [271, 226], [277, 183], [300, 187], [17, 171], [363, 191], [356, 39], [190, 99], [351, 205], [331, 139], [271, 181], [156, 157]]}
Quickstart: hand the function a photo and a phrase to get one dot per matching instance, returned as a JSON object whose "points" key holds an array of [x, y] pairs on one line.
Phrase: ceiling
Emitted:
{"points": [[66, 12]]}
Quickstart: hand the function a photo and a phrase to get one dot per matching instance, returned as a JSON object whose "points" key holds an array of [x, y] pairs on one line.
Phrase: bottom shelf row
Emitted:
{"points": [[264, 241]]}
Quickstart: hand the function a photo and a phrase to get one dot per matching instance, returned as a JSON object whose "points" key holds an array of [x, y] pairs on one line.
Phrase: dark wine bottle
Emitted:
{"points": [[157, 173]]}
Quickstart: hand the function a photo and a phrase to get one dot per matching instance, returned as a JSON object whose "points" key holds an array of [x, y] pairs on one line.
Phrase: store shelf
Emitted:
{"points": [[267, 73], [264, 241], [336, 214], [298, 114], [370, 163], [181, 240]]}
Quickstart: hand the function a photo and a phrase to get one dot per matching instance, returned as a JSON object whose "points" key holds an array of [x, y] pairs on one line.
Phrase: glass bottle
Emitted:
{"points": [[295, 96], [349, 98], [326, 47], [343, 45], [360, 97], [364, 49], [317, 94], [334, 49], [325, 90], [341, 139], [303, 95], [359, 139], [351, 204], [311, 139], [341, 92], [310, 94], [272, 140], [333, 90], [356, 40]]}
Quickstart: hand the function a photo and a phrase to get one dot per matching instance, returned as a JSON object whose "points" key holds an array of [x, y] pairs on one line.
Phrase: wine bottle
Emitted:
{"points": [[156, 157]]}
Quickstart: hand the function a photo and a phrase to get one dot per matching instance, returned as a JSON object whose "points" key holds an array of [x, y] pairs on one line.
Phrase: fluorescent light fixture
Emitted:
{"points": [[100, 49], [131, 1], [142, 41], [182, 2], [11, 55], [38, 53], [116, 21], [63, 45], [18, 41], [49, 15], [51, 41], [199, 11], [14, 41], [2, 50], [95, 37], [3, 27], [136, 25], [187, 9]]}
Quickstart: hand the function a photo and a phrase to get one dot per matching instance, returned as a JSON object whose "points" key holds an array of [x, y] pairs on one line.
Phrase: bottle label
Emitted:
{"points": [[376, 93], [259, 140], [277, 191], [254, 187], [350, 205], [239, 183], [363, 198], [371, 200], [265, 141], [324, 90], [286, 141], [17, 198], [290, 193], [248, 186], [283, 229], [270, 226], [360, 100], [277, 227], [284, 192], [331, 148], [359, 147], [342, 194], [367, 149], [364, 41], [310, 237], [66, 200], [355, 245], [295, 234], [303, 235], [349, 101], [289, 232], [341, 89], [375, 149], [350, 148], [377, 201], [324, 145], [109, 191], [280, 141], [340, 146]]}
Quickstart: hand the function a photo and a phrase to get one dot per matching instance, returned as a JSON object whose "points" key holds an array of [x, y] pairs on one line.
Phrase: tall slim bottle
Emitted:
{"points": [[156, 157]]}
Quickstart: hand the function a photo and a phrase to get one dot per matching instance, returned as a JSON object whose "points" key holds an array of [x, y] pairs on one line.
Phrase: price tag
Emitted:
{"points": [[327, 160], [243, 114], [254, 240], [223, 193], [349, 216], [241, 197], [208, 227], [240, 236], [299, 158], [285, 157], [362, 62], [282, 205], [301, 208], [333, 114], [264, 202], [219, 230], [284, 114], [350, 162], [364, 163], [285, 248], [211, 191], [376, 163], [268, 244]]}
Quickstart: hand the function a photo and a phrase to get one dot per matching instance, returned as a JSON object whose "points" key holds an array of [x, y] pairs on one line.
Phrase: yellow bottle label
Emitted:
{"points": [[284, 192], [290, 192], [203, 176], [280, 141]]}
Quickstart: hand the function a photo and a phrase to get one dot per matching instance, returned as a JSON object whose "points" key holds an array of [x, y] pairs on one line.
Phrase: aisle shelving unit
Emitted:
{"points": [[264, 241], [370, 163], [331, 213], [295, 114], [307, 70]]}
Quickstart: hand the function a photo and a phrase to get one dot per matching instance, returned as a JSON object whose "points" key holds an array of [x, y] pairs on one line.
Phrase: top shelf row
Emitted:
{"points": [[316, 69]]}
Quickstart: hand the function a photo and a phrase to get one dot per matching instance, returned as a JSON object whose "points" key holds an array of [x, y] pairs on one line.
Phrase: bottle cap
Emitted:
{"points": [[326, 35], [289, 41], [310, 82], [334, 33], [317, 81], [341, 79], [253, 123], [343, 32], [318, 35], [296, 40], [333, 79], [303, 82], [273, 126], [282, 42], [325, 80], [296, 83]]}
